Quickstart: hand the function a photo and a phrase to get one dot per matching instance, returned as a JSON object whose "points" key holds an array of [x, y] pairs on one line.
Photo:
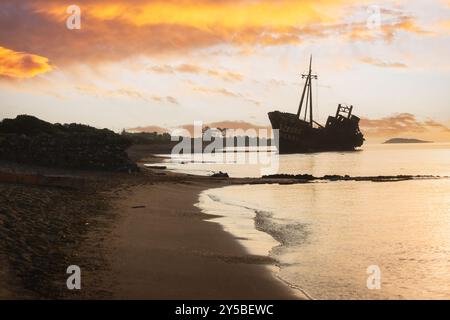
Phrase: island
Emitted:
{"points": [[403, 140]]}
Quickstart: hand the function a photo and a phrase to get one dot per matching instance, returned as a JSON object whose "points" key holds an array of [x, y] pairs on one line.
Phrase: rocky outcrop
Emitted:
{"points": [[27, 139], [220, 174]]}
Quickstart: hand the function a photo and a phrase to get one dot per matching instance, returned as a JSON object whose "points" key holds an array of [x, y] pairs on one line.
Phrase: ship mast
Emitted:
{"points": [[307, 89]]}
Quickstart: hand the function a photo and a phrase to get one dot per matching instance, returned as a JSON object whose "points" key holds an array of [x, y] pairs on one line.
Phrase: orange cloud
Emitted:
{"points": [[113, 30], [405, 125], [444, 26], [20, 65], [208, 15], [149, 129], [382, 64], [392, 23], [126, 92], [194, 69], [106, 93], [226, 93], [221, 91]]}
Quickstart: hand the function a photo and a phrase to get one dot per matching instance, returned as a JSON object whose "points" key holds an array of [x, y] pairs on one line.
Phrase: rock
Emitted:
{"points": [[27, 139], [220, 174], [155, 167]]}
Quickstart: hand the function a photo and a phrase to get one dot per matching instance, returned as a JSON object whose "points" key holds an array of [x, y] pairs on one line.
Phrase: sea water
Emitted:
{"points": [[328, 236]]}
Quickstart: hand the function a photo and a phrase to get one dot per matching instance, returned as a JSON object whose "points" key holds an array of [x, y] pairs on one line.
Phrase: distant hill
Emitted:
{"points": [[403, 140]]}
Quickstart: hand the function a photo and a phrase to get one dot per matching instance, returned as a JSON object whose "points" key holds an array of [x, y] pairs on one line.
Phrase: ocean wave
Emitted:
{"points": [[285, 234]]}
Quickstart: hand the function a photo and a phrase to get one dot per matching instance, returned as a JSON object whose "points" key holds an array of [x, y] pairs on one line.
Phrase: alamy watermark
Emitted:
{"points": [[73, 22], [374, 278], [74, 280], [228, 146], [374, 18]]}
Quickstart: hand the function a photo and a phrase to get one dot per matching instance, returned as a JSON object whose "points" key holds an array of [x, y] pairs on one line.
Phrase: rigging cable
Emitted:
{"points": [[307, 99], [317, 101]]}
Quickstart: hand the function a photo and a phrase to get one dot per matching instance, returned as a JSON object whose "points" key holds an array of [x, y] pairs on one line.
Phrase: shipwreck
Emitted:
{"points": [[300, 133]]}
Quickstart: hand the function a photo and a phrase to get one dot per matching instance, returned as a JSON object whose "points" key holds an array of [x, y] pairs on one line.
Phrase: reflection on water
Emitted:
{"points": [[326, 235], [331, 232], [374, 159]]}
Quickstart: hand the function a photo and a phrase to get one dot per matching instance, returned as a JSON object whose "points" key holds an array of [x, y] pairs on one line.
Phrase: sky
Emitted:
{"points": [[155, 65]]}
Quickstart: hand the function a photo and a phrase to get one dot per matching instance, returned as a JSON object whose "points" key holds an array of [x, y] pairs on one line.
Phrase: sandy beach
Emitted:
{"points": [[134, 236], [168, 249]]}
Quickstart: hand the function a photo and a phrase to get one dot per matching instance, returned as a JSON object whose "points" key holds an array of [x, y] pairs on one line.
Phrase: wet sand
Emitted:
{"points": [[167, 249], [134, 236]]}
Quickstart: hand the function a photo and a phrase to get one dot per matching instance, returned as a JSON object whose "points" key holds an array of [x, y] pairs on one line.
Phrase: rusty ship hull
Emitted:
{"points": [[297, 136], [300, 133]]}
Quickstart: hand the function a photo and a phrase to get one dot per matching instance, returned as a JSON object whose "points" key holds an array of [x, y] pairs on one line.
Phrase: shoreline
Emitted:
{"points": [[138, 236], [205, 262], [151, 218]]}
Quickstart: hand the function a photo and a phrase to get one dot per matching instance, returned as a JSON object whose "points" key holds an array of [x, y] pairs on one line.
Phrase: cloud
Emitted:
{"points": [[390, 23], [437, 125], [226, 93], [276, 82], [166, 99], [444, 26], [226, 75], [237, 126], [195, 69], [114, 30], [126, 92], [99, 92], [206, 14], [382, 64], [162, 69], [171, 100], [131, 93], [20, 65], [149, 129], [221, 91], [404, 125]]}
